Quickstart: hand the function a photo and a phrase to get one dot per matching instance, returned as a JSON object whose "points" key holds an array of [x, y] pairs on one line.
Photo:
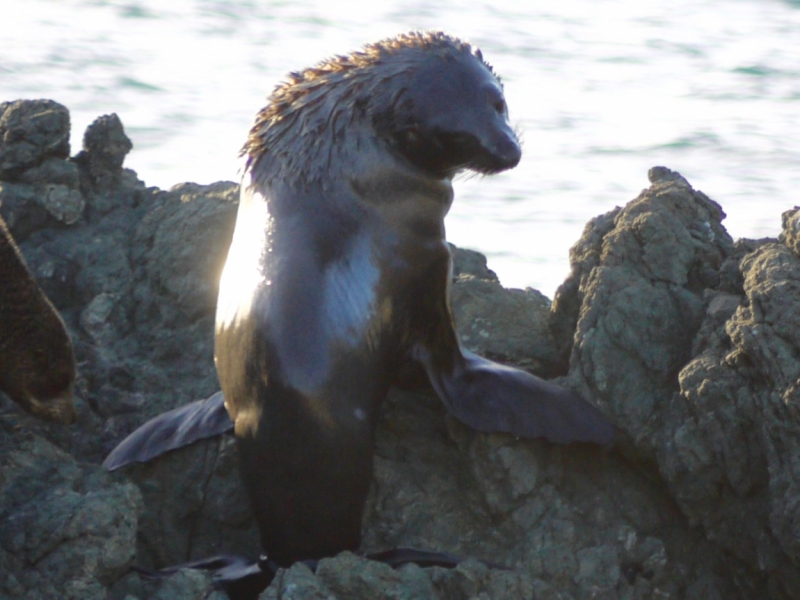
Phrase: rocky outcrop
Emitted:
{"points": [[685, 338], [706, 332], [641, 278], [100, 261]]}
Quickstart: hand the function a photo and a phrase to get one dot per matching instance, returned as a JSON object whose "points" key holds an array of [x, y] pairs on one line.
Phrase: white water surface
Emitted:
{"points": [[600, 90]]}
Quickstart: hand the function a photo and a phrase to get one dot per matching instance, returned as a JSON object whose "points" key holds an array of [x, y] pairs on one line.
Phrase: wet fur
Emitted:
{"points": [[348, 177]]}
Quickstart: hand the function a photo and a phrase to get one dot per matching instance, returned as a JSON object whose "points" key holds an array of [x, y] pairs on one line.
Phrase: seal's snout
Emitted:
{"points": [[507, 152], [499, 153]]}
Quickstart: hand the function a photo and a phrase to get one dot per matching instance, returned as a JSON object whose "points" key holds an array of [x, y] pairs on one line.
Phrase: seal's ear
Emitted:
{"points": [[172, 430], [491, 397]]}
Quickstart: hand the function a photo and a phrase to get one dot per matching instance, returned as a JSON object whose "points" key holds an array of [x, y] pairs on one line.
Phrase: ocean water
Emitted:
{"points": [[600, 91]]}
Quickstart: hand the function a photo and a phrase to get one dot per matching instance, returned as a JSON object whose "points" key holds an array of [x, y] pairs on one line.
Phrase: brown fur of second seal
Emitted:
{"points": [[37, 362]]}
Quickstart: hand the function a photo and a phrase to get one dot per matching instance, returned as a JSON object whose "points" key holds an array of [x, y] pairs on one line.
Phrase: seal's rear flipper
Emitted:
{"points": [[172, 430], [491, 397], [237, 576]]}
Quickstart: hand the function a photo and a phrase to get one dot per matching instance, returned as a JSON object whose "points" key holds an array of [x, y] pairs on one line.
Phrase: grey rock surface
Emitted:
{"points": [[68, 529], [706, 330], [507, 325], [38, 185], [639, 277], [350, 577], [30, 132], [687, 340]]}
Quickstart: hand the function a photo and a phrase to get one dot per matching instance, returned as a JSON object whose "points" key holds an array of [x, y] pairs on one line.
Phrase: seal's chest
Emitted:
{"points": [[350, 293]]}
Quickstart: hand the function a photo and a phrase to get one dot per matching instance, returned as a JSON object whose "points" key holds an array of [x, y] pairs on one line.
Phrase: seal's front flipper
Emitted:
{"points": [[491, 397], [172, 430]]}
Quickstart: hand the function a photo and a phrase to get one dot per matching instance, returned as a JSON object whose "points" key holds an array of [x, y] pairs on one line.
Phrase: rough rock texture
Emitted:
{"points": [[732, 435], [510, 326], [142, 346], [687, 340], [349, 576], [707, 332], [190, 496], [143, 333], [39, 185], [67, 529], [31, 132], [641, 282]]}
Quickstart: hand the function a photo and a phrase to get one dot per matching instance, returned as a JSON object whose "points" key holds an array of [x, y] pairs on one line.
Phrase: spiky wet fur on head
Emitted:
{"points": [[300, 134]]}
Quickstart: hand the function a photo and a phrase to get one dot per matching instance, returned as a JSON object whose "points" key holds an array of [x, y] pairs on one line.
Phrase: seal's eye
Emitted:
{"points": [[496, 100]]}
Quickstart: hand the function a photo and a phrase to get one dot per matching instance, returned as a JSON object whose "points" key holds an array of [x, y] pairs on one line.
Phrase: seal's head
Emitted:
{"points": [[428, 99], [446, 111]]}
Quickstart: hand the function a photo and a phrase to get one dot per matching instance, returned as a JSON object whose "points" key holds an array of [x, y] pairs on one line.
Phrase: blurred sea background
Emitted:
{"points": [[601, 90]]}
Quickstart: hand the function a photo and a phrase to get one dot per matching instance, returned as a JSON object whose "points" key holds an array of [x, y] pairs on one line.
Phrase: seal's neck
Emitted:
{"points": [[404, 198]]}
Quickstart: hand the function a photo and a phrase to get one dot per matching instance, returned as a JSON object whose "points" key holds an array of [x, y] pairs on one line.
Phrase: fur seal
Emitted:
{"points": [[338, 277], [338, 274], [37, 363]]}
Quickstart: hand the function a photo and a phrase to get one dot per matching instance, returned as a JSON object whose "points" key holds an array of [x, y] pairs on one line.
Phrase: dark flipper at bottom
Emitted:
{"points": [[244, 579], [491, 397], [237, 576], [172, 430]]}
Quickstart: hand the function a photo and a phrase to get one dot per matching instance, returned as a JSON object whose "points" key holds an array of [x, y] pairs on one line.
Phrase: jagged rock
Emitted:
{"points": [[184, 242], [95, 319], [691, 343], [187, 584], [105, 146], [40, 182], [63, 204], [21, 210], [469, 262], [639, 276], [733, 434], [55, 171], [31, 131], [297, 581], [194, 506], [579, 518]]}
